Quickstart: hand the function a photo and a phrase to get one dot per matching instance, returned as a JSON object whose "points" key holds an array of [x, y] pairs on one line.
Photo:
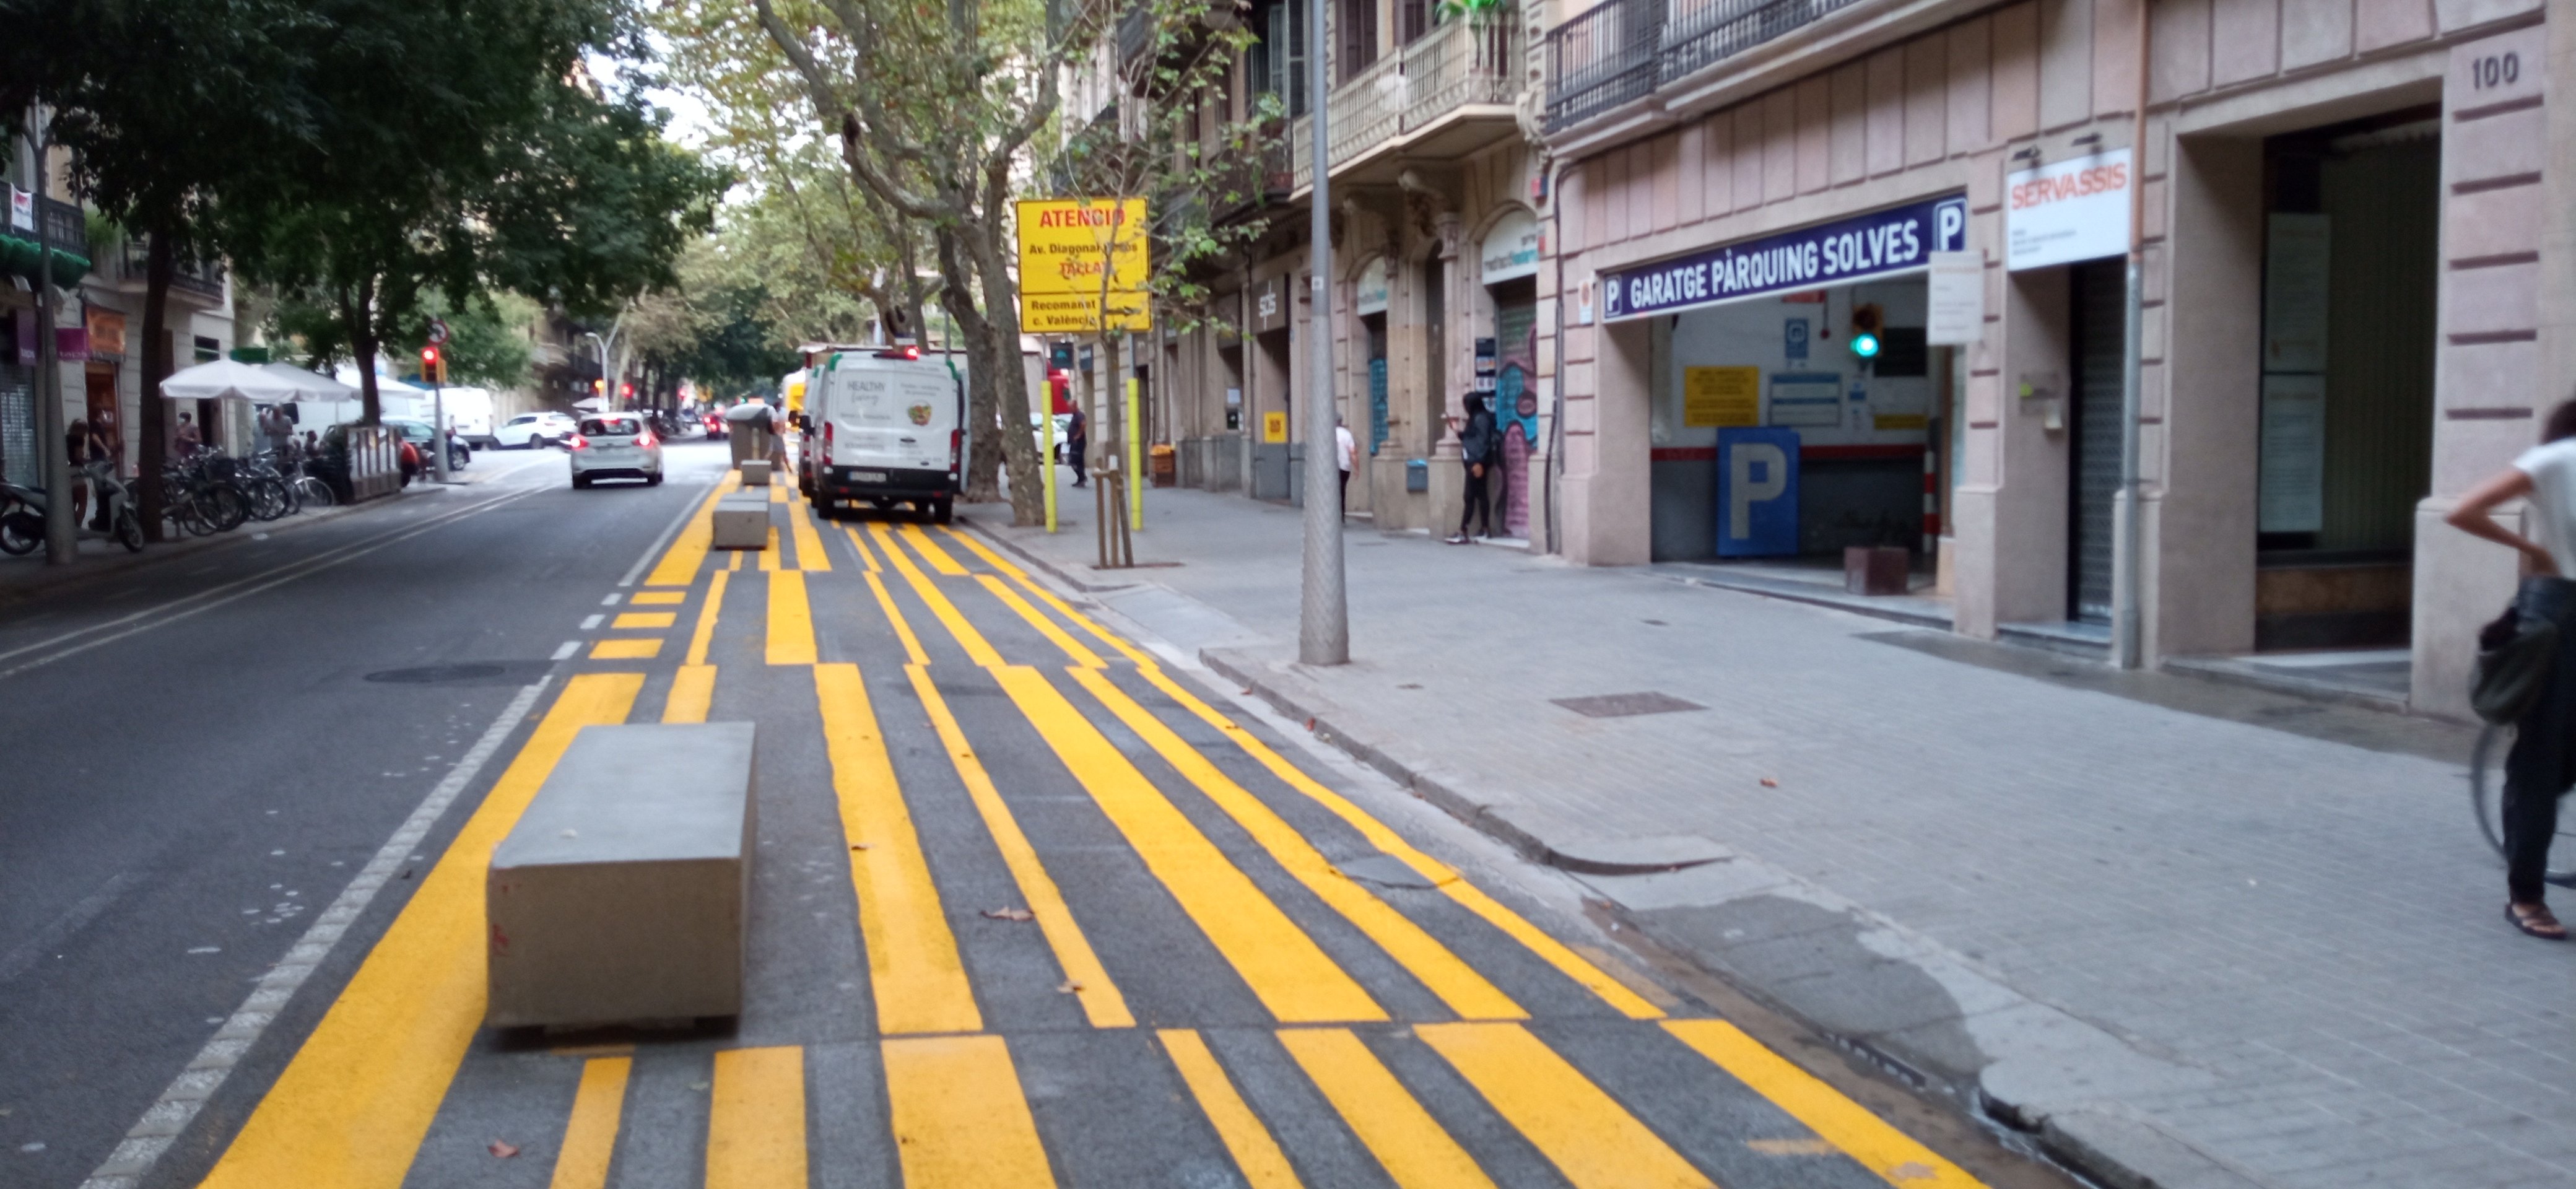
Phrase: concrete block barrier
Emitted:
{"points": [[624, 893], [755, 473], [742, 522]]}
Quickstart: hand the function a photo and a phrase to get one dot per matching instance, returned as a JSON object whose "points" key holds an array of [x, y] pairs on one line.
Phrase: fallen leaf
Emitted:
{"points": [[1067, 987], [1010, 914], [1769, 783], [858, 846], [503, 1150], [1310, 724]]}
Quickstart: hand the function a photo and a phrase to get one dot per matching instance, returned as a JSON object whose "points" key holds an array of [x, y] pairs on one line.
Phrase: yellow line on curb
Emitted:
{"points": [[1879, 1147], [960, 1118], [919, 981], [693, 693], [1415, 1150], [688, 551], [1255, 1153], [706, 629], [938, 558], [1583, 1131], [1100, 999], [353, 1105], [1452, 979], [756, 1119], [791, 620], [590, 1138]]}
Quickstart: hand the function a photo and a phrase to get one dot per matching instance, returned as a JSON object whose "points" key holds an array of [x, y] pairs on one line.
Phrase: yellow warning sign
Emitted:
{"points": [[1721, 396], [1065, 243], [1274, 428]]}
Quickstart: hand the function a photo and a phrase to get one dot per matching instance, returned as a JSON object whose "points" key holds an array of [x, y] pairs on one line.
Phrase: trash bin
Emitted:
{"points": [[1417, 475], [1159, 463]]}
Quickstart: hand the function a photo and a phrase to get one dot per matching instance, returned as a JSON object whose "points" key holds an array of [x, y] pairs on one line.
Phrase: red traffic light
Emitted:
{"points": [[429, 357], [626, 390]]}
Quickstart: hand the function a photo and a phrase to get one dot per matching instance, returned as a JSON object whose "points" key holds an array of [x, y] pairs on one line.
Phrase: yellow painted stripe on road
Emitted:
{"points": [[659, 598], [809, 544], [756, 1120], [632, 620], [920, 983], [590, 1138], [860, 544], [688, 551], [1456, 983], [902, 627], [1045, 626], [939, 558], [1467, 895], [1256, 1154], [706, 629], [777, 489], [960, 1119], [1043, 595], [1415, 1150], [1100, 999], [1893, 1155], [977, 649], [791, 620], [1284, 967], [1583, 1131], [693, 693], [352, 1106], [626, 650], [735, 563], [769, 556]]}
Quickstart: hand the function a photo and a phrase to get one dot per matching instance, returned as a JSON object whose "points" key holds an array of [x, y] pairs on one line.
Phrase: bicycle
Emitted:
{"points": [[2486, 800]]}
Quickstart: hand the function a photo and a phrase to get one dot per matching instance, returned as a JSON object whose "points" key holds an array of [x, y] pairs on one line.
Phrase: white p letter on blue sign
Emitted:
{"points": [[1757, 492]]}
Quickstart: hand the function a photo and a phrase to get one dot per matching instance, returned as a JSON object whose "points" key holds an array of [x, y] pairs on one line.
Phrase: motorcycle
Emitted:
{"points": [[22, 512]]}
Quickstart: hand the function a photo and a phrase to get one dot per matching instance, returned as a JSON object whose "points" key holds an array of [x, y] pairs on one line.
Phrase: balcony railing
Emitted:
{"points": [[1460, 63], [133, 263], [1622, 50]]}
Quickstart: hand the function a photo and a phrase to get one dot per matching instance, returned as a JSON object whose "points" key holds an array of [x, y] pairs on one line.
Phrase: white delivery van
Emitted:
{"points": [[884, 427], [469, 413]]}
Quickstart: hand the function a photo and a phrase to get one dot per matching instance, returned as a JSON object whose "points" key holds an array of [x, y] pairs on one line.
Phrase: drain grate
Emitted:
{"points": [[1626, 705], [437, 674]]}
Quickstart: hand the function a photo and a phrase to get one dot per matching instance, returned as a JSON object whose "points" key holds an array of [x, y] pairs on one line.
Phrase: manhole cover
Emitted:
{"points": [[435, 674], [1624, 705]]}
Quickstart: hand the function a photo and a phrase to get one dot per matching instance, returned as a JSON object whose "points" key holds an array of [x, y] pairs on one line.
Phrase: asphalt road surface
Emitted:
{"points": [[1032, 904]]}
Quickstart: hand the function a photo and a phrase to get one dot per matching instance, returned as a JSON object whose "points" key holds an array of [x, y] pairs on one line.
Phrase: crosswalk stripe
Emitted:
{"points": [[960, 1119], [756, 1119], [1100, 1000], [688, 550], [1590, 1138], [809, 543], [791, 619], [1256, 1154], [939, 558], [977, 648], [352, 1106], [693, 693], [1453, 980], [913, 967], [1415, 1150], [658, 598], [626, 649], [1879, 1147], [777, 488], [636, 620], [1073, 649], [1285, 969], [734, 562], [705, 632], [769, 556], [590, 1138]]}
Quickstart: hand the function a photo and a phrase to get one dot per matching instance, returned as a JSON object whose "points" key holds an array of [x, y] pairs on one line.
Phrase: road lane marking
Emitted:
{"points": [[1284, 968], [351, 1108], [859, 545], [1073, 649], [707, 612], [687, 511], [590, 623], [1415, 1150], [777, 490], [626, 650], [756, 1119], [609, 601], [631, 620], [688, 551], [960, 1118], [791, 619], [1583, 1131], [735, 562], [1879, 1147], [590, 1138], [977, 649], [902, 627], [919, 982], [693, 693], [1042, 594], [1256, 1154], [179, 1103], [567, 650], [1453, 980], [769, 556], [659, 598], [809, 544], [938, 558], [1101, 1002]]}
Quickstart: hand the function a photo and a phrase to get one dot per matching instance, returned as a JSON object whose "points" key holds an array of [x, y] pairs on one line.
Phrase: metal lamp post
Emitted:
{"points": [[1323, 621]]}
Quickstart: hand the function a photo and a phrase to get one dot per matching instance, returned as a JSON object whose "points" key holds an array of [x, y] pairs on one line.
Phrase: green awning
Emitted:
{"points": [[19, 257]]}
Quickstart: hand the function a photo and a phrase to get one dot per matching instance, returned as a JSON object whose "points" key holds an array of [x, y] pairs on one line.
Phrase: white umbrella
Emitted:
{"points": [[227, 377], [315, 385]]}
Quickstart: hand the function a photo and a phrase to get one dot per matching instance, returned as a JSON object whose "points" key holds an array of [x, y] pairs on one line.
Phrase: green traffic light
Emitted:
{"points": [[1865, 345]]}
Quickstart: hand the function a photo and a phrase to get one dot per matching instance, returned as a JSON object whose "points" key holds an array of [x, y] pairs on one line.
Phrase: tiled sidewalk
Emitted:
{"points": [[2188, 932]]}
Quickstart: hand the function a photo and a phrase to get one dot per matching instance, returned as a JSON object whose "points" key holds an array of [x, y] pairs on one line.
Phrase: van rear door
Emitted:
{"points": [[892, 415]]}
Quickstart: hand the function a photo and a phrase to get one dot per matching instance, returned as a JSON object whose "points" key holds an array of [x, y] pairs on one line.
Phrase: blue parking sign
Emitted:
{"points": [[1757, 492]]}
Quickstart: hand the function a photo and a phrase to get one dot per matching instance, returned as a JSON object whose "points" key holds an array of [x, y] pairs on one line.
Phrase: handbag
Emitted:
{"points": [[2517, 658]]}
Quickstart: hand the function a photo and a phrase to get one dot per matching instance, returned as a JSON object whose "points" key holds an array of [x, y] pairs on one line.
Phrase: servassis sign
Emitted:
{"points": [[1887, 242]]}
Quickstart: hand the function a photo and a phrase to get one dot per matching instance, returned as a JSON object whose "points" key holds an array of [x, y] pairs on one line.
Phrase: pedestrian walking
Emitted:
{"points": [[1343, 448], [1077, 444], [188, 437], [1476, 450], [2542, 764], [81, 447], [274, 426]]}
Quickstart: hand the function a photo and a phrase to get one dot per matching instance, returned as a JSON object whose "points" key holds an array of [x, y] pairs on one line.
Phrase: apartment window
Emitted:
{"points": [[1278, 64], [1412, 20], [209, 349], [1359, 37]]}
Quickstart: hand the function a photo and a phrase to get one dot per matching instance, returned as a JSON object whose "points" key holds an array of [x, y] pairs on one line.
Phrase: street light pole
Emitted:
{"points": [[1323, 621], [62, 530]]}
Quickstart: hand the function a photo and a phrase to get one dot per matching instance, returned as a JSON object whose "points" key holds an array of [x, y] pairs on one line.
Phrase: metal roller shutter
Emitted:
{"points": [[2099, 317]]}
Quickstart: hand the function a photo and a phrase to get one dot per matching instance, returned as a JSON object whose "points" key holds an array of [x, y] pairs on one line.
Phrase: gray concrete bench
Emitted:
{"points": [[742, 522], [625, 890]]}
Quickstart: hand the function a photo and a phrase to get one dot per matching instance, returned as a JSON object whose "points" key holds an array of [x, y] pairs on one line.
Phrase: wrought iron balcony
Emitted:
{"points": [[1620, 51], [130, 265], [1458, 66]]}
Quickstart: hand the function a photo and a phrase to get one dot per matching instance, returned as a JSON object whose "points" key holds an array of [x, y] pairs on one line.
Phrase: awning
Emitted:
{"points": [[270, 382]]}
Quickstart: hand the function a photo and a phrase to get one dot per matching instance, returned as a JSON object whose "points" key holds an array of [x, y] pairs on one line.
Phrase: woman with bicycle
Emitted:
{"points": [[2542, 765]]}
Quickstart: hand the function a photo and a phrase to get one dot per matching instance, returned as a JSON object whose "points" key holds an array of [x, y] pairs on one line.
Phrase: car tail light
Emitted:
{"points": [[646, 438], [956, 447], [577, 442], [827, 443]]}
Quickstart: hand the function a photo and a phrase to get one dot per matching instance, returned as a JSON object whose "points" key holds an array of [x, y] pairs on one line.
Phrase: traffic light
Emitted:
{"points": [[599, 388], [626, 391], [433, 364], [1866, 322]]}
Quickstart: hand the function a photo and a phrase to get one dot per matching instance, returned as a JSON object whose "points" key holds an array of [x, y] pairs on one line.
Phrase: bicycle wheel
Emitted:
{"points": [[315, 492], [2486, 798], [227, 507], [268, 499]]}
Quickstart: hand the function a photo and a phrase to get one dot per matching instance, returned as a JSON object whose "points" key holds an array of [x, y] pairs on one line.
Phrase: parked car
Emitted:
{"points": [[418, 434], [715, 427], [531, 430], [617, 445], [1038, 434]]}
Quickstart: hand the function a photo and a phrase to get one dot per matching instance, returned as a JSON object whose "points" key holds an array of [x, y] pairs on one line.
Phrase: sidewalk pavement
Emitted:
{"points": [[2184, 933]]}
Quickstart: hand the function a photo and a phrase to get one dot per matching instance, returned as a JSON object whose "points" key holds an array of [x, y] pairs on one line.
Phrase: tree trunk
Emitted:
{"points": [[153, 422], [360, 315], [1001, 305], [984, 429]]}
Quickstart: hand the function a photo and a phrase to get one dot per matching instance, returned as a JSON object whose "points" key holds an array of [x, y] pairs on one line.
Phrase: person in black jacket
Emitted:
{"points": [[1077, 445], [1476, 442]]}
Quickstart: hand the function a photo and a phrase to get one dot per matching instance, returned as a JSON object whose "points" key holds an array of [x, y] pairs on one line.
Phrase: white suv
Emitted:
{"points": [[531, 430], [615, 444]]}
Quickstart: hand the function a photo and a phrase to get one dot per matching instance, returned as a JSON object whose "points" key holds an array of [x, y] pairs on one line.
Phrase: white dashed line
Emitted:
{"points": [[569, 648], [611, 600], [591, 623]]}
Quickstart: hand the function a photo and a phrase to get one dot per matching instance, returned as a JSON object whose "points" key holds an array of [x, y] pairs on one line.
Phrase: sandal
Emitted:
{"points": [[2536, 920]]}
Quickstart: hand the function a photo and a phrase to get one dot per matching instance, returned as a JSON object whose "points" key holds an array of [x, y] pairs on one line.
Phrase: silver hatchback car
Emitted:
{"points": [[615, 445]]}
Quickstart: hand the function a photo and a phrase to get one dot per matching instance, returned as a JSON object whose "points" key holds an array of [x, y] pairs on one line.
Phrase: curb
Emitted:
{"points": [[49, 579]]}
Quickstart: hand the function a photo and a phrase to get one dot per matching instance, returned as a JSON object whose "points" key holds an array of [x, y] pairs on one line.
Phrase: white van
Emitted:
{"points": [[884, 427], [469, 413]]}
